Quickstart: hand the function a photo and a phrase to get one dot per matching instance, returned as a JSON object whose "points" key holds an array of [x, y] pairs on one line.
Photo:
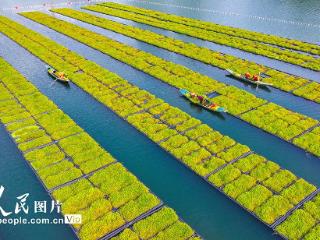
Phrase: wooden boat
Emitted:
{"points": [[242, 77], [206, 103], [58, 76]]}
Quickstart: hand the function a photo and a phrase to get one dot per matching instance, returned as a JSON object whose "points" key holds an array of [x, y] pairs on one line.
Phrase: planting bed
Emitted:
{"points": [[295, 128], [74, 169], [237, 38], [235, 100], [304, 222], [260, 186], [162, 225], [297, 85]]}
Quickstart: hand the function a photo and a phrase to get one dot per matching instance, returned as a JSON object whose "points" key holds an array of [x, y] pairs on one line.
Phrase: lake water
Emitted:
{"points": [[206, 210]]}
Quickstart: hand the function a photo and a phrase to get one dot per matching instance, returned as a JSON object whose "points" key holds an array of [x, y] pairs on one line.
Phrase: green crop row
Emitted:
{"points": [[256, 36], [310, 141], [112, 197], [303, 223], [235, 100], [283, 81], [106, 200], [163, 224], [262, 187], [252, 46], [279, 121], [210, 154], [288, 125], [310, 91], [35, 123]]}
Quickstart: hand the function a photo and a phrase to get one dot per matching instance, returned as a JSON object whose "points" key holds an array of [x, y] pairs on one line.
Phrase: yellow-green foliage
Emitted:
{"points": [[238, 38], [310, 141], [279, 79], [313, 234], [296, 225], [273, 208], [279, 121], [237, 101], [280, 180], [103, 207], [198, 146], [255, 197]]}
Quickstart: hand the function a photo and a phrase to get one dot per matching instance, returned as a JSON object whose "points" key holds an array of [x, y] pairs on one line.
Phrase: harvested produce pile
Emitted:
{"points": [[255, 183], [77, 171], [235, 100]]}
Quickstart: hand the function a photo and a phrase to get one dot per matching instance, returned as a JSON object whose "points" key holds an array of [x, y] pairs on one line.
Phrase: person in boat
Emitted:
{"points": [[61, 75], [192, 95], [206, 102], [247, 75], [255, 78], [200, 98]]}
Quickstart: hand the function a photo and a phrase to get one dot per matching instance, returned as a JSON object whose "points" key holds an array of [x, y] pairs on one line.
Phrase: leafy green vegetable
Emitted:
{"points": [[296, 225]]}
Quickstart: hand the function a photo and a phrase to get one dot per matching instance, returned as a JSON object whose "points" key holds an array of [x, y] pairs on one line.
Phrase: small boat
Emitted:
{"points": [[205, 103], [58, 76], [242, 77]]}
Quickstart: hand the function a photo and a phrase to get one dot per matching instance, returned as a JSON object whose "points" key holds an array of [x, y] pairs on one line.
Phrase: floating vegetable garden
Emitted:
{"points": [[286, 82], [256, 36], [253, 42], [260, 186], [303, 222], [238, 102], [77, 171]]}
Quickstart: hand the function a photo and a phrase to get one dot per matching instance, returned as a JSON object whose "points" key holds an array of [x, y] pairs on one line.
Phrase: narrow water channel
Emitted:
{"points": [[288, 156], [208, 211]]}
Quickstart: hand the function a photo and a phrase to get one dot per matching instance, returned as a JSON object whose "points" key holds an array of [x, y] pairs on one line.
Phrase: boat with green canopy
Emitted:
{"points": [[202, 101]]}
